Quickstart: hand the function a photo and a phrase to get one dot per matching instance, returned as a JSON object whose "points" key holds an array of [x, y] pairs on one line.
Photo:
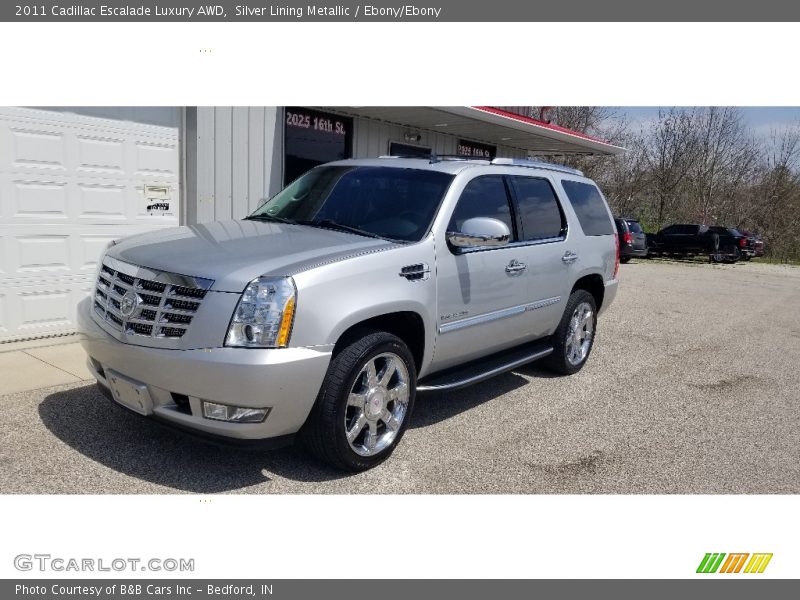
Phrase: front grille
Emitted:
{"points": [[162, 310]]}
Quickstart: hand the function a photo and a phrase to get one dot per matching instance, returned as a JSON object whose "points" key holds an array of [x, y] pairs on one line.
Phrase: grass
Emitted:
{"points": [[794, 262]]}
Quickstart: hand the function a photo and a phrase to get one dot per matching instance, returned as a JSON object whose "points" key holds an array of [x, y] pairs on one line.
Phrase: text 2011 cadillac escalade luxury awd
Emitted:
{"points": [[364, 282]]}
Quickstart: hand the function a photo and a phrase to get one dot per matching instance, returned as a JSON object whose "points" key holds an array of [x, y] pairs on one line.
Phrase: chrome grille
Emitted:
{"points": [[162, 310]]}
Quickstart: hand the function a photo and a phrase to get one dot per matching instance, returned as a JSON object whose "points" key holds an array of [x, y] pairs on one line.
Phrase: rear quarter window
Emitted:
{"points": [[590, 207]]}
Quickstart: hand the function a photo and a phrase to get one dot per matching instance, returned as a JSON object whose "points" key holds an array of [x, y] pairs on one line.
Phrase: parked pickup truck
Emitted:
{"points": [[720, 244], [324, 313]]}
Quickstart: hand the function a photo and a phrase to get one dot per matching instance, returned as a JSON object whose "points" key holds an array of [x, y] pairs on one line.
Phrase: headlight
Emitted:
{"points": [[264, 315]]}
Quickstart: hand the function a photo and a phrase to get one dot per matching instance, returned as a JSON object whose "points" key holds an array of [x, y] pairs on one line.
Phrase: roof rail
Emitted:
{"points": [[434, 158], [536, 164]]}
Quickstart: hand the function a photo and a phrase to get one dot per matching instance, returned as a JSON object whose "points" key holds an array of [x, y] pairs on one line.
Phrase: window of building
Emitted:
{"points": [[312, 138]]}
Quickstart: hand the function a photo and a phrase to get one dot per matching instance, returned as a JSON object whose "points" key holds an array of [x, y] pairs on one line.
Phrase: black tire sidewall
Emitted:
{"points": [[329, 413], [558, 359]]}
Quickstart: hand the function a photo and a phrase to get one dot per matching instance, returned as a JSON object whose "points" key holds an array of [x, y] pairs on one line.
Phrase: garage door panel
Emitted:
{"points": [[43, 253], [101, 155], [39, 199], [156, 159], [103, 201], [69, 184], [38, 149]]}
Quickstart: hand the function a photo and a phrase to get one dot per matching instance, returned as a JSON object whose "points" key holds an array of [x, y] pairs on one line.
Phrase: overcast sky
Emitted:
{"points": [[761, 119]]}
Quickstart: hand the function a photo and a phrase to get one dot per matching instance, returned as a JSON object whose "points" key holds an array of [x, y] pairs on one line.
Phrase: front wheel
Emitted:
{"points": [[574, 337], [363, 407]]}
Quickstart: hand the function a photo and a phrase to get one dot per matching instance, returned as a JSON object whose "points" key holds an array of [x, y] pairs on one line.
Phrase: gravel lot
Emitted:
{"points": [[692, 388]]}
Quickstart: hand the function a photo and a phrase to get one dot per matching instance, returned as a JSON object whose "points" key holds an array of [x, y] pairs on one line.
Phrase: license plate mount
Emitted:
{"points": [[130, 394]]}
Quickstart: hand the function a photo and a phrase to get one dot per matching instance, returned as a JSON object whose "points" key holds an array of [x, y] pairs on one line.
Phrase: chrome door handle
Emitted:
{"points": [[569, 257], [515, 267]]}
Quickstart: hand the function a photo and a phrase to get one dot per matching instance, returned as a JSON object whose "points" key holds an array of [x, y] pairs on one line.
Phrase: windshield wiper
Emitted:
{"points": [[265, 217], [331, 224]]}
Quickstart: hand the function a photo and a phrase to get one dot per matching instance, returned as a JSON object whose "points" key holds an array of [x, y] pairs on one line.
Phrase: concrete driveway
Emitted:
{"points": [[692, 388]]}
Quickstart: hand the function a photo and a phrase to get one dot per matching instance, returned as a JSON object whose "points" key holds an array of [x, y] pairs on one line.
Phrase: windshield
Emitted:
{"points": [[390, 202]]}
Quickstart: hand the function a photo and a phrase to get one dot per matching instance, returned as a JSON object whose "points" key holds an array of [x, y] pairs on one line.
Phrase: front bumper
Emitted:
{"points": [[286, 379]]}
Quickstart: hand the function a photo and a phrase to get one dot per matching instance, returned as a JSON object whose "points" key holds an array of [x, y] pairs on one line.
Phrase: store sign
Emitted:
{"points": [[315, 121], [476, 149]]}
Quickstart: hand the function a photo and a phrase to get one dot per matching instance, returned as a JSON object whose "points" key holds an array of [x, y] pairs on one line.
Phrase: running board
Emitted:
{"points": [[483, 369]]}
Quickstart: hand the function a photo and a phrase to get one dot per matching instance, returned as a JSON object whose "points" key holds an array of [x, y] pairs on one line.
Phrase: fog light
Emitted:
{"points": [[234, 414]]}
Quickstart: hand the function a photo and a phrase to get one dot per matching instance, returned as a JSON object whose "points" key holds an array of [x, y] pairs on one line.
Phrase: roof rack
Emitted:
{"points": [[536, 164], [511, 162]]}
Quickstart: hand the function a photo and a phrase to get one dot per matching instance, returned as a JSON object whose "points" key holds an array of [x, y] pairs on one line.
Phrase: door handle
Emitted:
{"points": [[569, 257], [515, 266]]}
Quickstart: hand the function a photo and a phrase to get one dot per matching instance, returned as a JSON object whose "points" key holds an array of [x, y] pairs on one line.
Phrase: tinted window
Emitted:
{"points": [[482, 197], [391, 202], [590, 207], [539, 211], [621, 226], [635, 227]]}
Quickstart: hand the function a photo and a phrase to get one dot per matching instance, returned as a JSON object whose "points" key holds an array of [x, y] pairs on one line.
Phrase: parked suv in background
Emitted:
{"points": [[632, 239], [363, 283]]}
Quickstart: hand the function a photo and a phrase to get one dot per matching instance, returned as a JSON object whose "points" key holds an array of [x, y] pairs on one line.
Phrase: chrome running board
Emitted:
{"points": [[483, 369]]}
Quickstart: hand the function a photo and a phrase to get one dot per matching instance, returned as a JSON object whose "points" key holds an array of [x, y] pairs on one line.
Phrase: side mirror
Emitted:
{"points": [[480, 232]]}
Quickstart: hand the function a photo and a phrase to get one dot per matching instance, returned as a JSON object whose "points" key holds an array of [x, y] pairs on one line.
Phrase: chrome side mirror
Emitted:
{"points": [[480, 232]]}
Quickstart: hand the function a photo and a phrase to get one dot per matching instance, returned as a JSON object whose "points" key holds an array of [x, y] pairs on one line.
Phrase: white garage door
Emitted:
{"points": [[69, 183]]}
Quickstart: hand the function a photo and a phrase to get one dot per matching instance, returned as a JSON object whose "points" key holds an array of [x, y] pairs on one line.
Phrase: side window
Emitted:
{"points": [[589, 206], [483, 197], [539, 210]]}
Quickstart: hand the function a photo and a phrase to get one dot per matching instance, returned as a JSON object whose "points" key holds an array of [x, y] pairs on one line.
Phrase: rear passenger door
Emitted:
{"points": [[542, 234]]}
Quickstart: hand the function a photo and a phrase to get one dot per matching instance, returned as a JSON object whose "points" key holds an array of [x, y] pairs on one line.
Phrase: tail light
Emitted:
{"points": [[627, 238], [616, 262], [743, 242]]}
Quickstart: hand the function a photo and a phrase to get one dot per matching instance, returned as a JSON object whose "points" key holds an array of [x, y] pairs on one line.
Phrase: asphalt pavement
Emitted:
{"points": [[692, 388]]}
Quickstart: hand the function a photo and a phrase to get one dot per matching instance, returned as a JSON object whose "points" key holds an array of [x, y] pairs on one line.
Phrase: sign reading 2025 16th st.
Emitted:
{"points": [[308, 120]]}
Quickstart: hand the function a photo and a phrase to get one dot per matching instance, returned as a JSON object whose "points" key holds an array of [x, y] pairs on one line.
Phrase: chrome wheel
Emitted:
{"points": [[579, 334], [377, 404]]}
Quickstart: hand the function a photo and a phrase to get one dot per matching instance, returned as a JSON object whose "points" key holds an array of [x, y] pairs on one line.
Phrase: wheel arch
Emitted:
{"points": [[408, 325], [592, 283]]}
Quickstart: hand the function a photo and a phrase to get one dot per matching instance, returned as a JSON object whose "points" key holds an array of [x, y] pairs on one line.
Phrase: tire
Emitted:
{"points": [[732, 255], [624, 259], [356, 400], [563, 359]]}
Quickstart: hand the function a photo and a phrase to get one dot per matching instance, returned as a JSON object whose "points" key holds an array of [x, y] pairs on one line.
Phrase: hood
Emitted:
{"points": [[233, 253]]}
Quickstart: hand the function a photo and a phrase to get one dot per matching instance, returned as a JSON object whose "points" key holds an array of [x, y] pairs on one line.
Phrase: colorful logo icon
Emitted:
{"points": [[734, 562]]}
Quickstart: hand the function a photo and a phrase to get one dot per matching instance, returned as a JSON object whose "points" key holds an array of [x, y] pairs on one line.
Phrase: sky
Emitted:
{"points": [[761, 119]]}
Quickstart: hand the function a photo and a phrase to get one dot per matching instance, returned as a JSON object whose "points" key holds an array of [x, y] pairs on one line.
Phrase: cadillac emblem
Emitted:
{"points": [[128, 304]]}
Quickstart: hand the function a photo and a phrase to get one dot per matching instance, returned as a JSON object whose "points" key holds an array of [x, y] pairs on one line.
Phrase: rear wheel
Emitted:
{"points": [[624, 259], [732, 254], [574, 337], [364, 405]]}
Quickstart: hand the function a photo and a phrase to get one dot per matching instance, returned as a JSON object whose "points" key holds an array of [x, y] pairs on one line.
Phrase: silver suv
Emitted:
{"points": [[324, 313]]}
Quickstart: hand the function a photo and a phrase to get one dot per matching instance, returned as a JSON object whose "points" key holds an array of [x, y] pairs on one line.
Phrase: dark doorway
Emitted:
{"points": [[311, 138]]}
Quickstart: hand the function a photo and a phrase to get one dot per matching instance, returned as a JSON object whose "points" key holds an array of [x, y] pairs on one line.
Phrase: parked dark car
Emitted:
{"points": [[755, 242], [632, 240], [733, 245], [720, 244]]}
